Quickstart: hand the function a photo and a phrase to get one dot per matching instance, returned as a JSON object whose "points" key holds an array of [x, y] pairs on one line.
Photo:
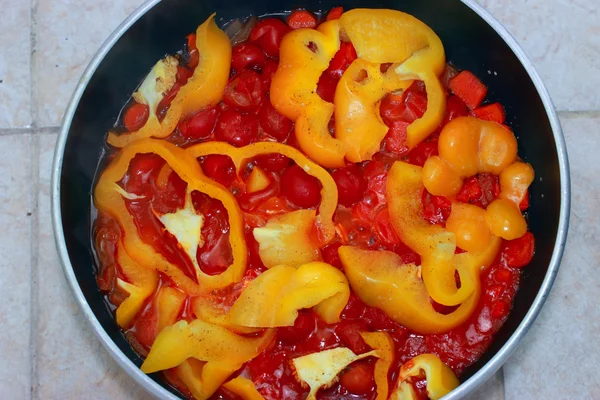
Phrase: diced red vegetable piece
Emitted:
{"points": [[436, 209], [519, 252], [302, 19], [267, 33], [300, 188], [524, 205], [335, 13], [492, 112], [468, 88], [342, 60], [396, 139]]}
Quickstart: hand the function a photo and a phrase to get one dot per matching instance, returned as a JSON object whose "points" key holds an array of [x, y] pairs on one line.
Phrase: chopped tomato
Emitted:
{"points": [[267, 33], [135, 116], [199, 125], [519, 252], [300, 188], [275, 124], [236, 128], [335, 13], [350, 184], [469, 88], [245, 92], [247, 55], [302, 19], [342, 60]]}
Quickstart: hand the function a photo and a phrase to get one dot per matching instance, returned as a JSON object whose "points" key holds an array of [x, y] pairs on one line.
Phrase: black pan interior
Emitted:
{"points": [[469, 43]]}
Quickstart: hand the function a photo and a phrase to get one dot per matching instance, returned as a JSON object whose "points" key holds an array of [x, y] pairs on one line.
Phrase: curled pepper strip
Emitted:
{"points": [[469, 146], [329, 194], [384, 345], [203, 89], [435, 245], [390, 36], [440, 378], [274, 298], [108, 197], [294, 90], [141, 284], [358, 94], [203, 342], [382, 280]]}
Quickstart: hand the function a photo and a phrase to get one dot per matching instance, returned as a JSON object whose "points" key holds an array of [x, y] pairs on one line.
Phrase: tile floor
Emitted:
{"points": [[48, 351]]}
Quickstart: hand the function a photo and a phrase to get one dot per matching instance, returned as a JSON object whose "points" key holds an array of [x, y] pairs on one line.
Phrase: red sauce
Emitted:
{"points": [[362, 219]]}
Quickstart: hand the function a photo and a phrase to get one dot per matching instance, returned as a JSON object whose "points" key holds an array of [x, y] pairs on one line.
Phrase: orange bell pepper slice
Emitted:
{"points": [[390, 36], [203, 89], [329, 194], [244, 388], [469, 146], [108, 197]]}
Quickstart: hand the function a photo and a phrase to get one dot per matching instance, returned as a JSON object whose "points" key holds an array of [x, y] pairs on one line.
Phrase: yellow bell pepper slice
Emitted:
{"points": [[244, 388], [204, 378], [204, 342], [441, 380], [358, 94], [203, 89], [142, 283], [329, 193], [274, 297], [285, 239], [384, 345], [390, 36], [382, 280], [435, 245], [169, 302], [108, 198], [294, 85], [258, 180]]}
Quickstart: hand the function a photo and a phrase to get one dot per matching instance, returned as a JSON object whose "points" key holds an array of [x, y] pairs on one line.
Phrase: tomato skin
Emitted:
{"points": [[331, 256], [273, 162], [436, 209], [342, 60], [350, 183], [454, 108], [135, 116], [519, 252], [407, 107], [335, 13], [219, 167], [421, 152], [396, 139], [247, 56], [302, 19], [275, 124], [358, 378], [349, 334], [267, 33], [245, 91], [141, 171], [200, 125], [236, 128], [326, 87], [304, 326], [267, 72], [300, 188]]}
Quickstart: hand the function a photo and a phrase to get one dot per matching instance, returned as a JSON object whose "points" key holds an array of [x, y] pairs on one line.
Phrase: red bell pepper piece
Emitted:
{"points": [[302, 19], [492, 112], [468, 88], [335, 13]]}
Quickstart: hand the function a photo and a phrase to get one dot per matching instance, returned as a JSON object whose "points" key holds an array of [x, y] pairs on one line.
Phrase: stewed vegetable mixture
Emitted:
{"points": [[319, 206]]}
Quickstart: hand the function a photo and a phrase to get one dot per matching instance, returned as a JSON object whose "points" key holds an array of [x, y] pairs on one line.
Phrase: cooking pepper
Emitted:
{"points": [[140, 285], [203, 342], [435, 245], [358, 121], [329, 194], [390, 36], [203, 89], [468, 146], [108, 197], [384, 345], [440, 378], [382, 280], [244, 388], [204, 378], [274, 297], [303, 57]]}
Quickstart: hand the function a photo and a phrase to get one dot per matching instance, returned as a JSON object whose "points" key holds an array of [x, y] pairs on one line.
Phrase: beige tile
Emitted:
{"points": [[71, 362], [15, 266], [559, 357], [15, 68], [562, 38], [69, 32], [493, 389]]}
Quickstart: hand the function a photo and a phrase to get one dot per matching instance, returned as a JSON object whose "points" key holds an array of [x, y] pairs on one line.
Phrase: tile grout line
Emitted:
{"points": [[34, 188]]}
